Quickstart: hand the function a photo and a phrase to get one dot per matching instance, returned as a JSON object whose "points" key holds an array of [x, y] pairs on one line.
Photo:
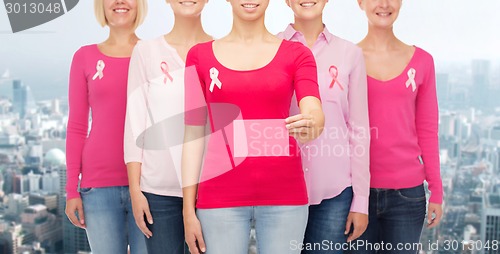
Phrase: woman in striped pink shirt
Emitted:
{"points": [[336, 165]]}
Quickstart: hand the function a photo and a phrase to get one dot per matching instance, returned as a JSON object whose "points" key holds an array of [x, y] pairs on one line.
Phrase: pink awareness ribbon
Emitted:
{"points": [[411, 79], [100, 68], [334, 73], [165, 69], [214, 76]]}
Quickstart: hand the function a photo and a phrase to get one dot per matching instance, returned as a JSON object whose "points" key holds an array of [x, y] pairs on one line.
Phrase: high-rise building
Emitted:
{"points": [[490, 229], [41, 226], [34, 181], [44, 198], [480, 82], [11, 237], [447, 126], [16, 204], [51, 182], [443, 86], [74, 239], [23, 102], [20, 184], [35, 154], [56, 107], [20, 98]]}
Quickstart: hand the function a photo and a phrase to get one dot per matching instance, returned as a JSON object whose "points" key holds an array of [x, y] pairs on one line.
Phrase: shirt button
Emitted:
{"points": [[307, 169], [307, 147]]}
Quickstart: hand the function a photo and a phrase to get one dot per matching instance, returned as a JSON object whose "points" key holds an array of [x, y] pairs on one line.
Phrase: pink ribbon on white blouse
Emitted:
{"points": [[214, 75], [411, 79], [100, 68], [165, 69], [334, 73]]}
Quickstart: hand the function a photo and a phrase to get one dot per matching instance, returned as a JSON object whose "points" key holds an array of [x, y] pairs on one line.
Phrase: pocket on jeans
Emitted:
{"points": [[86, 190], [412, 194]]}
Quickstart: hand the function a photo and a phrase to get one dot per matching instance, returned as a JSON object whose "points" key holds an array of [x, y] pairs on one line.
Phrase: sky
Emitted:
{"points": [[451, 30]]}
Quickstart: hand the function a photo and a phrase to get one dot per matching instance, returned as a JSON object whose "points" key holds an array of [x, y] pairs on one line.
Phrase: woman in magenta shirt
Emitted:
{"points": [[249, 75], [97, 186], [404, 148]]}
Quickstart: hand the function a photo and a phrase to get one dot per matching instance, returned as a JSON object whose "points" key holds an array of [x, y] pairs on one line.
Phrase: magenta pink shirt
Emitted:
{"points": [[404, 128], [339, 158], [263, 93], [97, 83]]}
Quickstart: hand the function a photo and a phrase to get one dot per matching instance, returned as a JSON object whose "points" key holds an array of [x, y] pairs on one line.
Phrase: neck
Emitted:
{"points": [[381, 39], [311, 29], [119, 36], [187, 30], [248, 31]]}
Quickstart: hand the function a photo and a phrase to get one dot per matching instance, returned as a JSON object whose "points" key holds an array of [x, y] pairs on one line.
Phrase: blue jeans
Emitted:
{"points": [[110, 222], [168, 225], [326, 223], [278, 229], [396, 218]]}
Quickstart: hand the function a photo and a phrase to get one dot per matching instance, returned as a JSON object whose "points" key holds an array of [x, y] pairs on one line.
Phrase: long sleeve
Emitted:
{"points": [[426, 120], [137, 108], [359, 138], [77, 129]]}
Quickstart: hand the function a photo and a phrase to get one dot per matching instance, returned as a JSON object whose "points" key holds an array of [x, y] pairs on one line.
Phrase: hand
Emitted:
{"points": [[74, 206], [301, 127], [140, 208], [360, 223], [434, 214], [194, 237]]}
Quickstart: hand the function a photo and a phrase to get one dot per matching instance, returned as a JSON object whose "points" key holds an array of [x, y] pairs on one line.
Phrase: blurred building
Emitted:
{"points": [[34, 181], [22, 100], [49, 200], [490, 230], [41, 226], [16, 203], [11, 237], [74, 238], [51, 182], [54, 158], [480, 83]]}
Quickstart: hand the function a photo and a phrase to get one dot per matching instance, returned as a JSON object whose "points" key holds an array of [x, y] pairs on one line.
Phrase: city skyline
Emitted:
{"points": [[463, 44]]}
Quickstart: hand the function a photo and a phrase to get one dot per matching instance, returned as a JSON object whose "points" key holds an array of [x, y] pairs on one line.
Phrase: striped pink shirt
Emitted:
{"points": [[339, 158]]}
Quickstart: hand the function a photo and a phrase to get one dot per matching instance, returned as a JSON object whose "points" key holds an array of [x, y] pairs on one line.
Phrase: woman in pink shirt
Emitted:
{"points": [[404, 148], [155, 124], [252, 170], [336, 165], [98, 198]]}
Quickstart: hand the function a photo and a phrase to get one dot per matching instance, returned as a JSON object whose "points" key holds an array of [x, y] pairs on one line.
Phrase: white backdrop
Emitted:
{"points": [[451, 30]]}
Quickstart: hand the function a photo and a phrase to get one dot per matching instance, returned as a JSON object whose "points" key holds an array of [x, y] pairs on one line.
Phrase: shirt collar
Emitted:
{"points": [[290, 33]]}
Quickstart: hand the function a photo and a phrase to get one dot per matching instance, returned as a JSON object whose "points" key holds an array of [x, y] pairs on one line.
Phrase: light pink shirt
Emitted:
{"points": [[154, 124], [339, 158]]}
